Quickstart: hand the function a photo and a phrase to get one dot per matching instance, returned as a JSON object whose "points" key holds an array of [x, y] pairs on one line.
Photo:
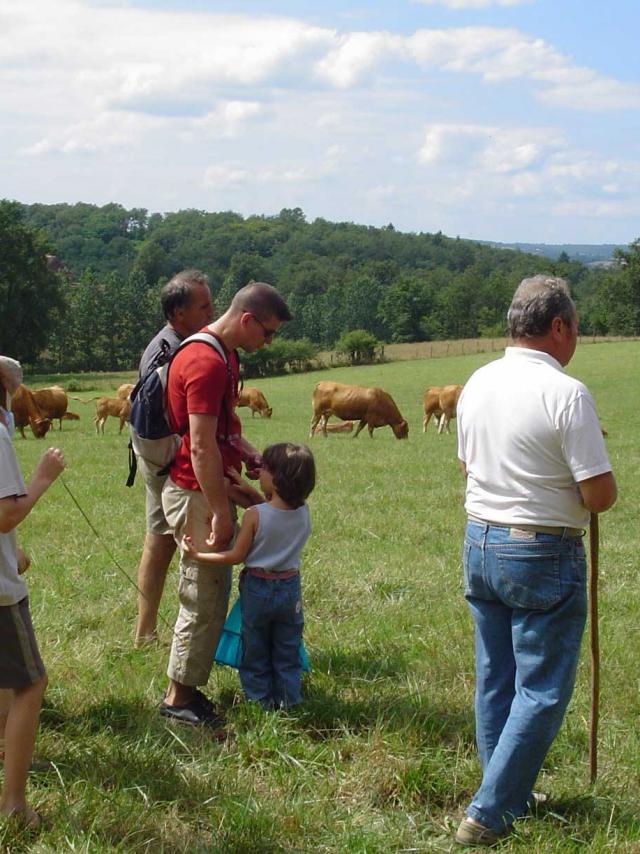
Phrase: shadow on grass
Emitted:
{"points": [[372, 663], [592, 810], [129, 780]]}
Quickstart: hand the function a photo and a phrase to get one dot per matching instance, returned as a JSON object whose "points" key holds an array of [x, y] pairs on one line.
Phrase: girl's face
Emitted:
{"points": [[266, 482]]}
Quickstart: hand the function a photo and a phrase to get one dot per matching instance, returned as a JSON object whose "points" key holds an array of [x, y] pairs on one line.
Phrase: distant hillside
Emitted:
{"points": [[586, 253]]}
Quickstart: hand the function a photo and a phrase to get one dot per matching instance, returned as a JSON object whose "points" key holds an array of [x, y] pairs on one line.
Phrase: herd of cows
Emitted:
{"points": [[371, 407]]}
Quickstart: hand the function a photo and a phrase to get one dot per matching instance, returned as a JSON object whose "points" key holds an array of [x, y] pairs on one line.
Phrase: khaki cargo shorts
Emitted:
{"points": [[203, 590], [153, 483]]}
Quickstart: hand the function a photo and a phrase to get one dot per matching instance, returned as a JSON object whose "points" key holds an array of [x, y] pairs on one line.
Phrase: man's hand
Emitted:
{"points": [[221, 532], [253, 465], [51, 465], [24, 561]]}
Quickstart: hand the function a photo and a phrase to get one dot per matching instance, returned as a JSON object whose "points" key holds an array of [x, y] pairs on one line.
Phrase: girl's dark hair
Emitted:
{"points": [[293, 470]]}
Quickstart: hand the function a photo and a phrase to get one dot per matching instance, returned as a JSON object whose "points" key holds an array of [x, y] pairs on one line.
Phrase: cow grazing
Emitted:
{"points": [[442, 403], [52, 403], [371, 407], [256, 401], [342, 427], [26, 412], [124, 391], [113, 406]]}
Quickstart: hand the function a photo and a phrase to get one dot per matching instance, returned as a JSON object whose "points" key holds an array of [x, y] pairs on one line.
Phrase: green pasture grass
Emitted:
{"points": [[380, 757]]}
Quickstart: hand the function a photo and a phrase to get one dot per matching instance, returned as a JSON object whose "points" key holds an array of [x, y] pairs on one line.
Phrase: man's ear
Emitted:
{"points": [[557, 327]]}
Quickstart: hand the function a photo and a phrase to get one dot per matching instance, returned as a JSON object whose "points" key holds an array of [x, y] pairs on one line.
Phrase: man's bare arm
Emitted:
{"points": [[599, 493], [208, 469]]}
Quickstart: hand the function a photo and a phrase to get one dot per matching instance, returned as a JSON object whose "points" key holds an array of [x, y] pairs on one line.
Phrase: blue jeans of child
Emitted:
{"points": [[272, 623], [527, 596]]}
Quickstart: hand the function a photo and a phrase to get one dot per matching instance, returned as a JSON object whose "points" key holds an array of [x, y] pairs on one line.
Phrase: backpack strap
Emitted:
{"points": [[213, 341]]}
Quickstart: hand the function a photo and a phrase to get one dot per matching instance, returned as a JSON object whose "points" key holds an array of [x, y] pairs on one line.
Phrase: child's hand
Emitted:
{"points": [[188, 548], [51, 465], [24, 561]]}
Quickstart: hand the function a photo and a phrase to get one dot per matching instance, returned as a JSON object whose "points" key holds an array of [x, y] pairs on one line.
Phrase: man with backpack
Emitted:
{"points": [[202, 392], [187, 307]]}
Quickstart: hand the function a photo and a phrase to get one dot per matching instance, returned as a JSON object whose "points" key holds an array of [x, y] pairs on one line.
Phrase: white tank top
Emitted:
{"points": [[280, 538]]}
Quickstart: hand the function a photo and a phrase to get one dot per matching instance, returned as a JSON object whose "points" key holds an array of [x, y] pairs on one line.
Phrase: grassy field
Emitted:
{"points": [[380, 757]]}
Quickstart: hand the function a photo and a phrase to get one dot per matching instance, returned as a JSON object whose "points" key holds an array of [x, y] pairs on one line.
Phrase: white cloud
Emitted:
{"points": [[487, 147], [226, 121], [355, 54], [234, 173], [347, 121], [106, 131], [498, 55], [226, 175]]}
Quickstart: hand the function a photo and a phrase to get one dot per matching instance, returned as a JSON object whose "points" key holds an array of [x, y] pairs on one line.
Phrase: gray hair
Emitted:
{"points": [[260, 299], [177, 292], [535, 303]]}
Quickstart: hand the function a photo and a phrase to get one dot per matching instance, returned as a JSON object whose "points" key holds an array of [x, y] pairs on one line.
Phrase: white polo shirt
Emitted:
{"points": [[12, 587], [528, 433]]}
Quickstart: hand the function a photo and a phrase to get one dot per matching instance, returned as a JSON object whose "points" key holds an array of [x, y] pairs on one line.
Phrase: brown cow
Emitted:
{"points": [[441, 402], [256, 401], [124, 391], [342, 427], [114, 406], [52, 403], [26, 412], [372, 407]]}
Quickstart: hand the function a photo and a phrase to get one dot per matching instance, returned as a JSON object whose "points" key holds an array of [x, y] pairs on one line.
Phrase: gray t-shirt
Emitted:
{"points": [[280, 538], [12, 587], [154, 347]]}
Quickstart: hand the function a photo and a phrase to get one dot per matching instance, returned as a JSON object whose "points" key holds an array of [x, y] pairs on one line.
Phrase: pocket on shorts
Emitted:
{"points": [[531, 581]]}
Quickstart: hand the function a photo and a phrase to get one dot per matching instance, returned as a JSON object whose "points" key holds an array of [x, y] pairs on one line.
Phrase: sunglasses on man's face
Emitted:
{"points": [[268, 333]]}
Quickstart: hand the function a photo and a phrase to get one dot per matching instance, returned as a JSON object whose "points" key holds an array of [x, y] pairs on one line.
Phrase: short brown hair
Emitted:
{"points": [[293, 470], [260, 299]]}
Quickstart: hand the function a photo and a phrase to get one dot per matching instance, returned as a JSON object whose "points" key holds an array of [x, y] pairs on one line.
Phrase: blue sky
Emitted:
{"points": [[507, 120]]}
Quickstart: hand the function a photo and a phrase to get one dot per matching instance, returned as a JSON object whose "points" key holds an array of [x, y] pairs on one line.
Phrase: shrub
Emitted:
{"points": [[359, 346], [280, 357]]}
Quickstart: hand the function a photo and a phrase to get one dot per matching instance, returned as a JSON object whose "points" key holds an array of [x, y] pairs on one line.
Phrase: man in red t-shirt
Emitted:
{"points": [[202, 393]]}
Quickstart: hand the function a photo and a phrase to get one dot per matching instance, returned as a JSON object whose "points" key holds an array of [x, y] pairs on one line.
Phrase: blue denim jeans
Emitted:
{"points": [[272, 623], [527, 596]]}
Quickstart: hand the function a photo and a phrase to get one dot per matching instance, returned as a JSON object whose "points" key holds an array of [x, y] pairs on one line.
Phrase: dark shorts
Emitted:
{"points": [[20, 662]]}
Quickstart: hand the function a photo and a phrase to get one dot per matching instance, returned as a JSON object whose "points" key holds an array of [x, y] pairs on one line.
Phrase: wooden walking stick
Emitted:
{"points": [[594, 545]]}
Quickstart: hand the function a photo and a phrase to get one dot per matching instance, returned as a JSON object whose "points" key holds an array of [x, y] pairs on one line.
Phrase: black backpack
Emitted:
{"points": [[151, 435]]}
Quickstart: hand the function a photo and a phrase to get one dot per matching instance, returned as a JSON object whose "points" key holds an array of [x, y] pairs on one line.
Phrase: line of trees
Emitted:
{"points": [[100, 309]]}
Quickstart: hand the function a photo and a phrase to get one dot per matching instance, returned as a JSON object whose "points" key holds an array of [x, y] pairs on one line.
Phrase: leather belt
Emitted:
{"points": [[533, 529], [271, 574]]}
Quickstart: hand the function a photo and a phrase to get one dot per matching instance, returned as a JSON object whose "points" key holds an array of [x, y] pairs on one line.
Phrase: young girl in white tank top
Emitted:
{"points": [[269, 543]]}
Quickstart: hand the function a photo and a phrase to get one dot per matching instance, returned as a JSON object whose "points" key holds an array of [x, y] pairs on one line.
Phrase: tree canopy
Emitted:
{"points": [[30, 293], [336, 277]]}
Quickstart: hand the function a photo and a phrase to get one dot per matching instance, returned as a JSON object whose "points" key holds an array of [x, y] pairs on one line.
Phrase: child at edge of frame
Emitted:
{"points": [[23, 678], [269, 543]]}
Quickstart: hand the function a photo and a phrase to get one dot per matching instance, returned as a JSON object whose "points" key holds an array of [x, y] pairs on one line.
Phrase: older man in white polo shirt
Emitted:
{"points": [[530, 444]]}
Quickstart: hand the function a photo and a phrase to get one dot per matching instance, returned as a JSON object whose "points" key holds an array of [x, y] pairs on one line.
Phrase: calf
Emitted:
{"points": [[124, 391], [342, 427], [256, 401], [113, 406], [440, 402]]}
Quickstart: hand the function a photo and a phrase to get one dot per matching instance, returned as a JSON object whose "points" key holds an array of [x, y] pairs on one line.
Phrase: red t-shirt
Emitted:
{"points": [[201, 384]]}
